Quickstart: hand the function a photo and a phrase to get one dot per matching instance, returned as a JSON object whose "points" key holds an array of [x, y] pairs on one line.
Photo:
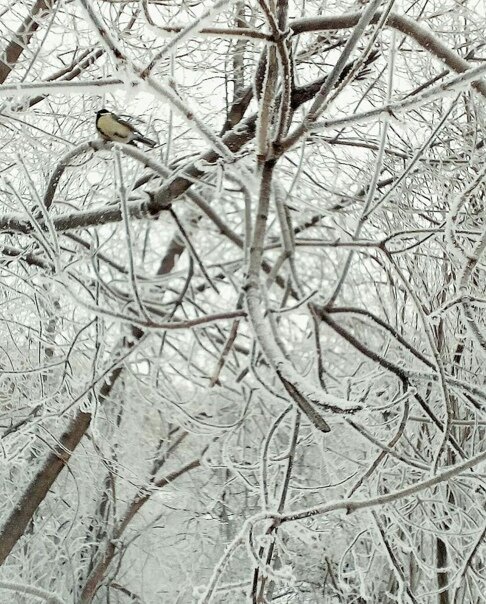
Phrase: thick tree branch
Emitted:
{"points": [[22, 37]]}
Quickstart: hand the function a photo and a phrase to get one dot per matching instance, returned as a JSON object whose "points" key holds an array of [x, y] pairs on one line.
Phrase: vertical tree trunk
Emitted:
{"points": [[442, 575]]}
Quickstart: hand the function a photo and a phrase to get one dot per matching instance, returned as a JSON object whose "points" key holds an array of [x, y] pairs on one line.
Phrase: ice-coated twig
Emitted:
{"points": [[381, 23], [280, 39], [62, 164], [466, 273], [26, 89], [453, 86], [441, 373], [39, 212], [406, 25], [192, 249], [348, 504], [374, 181], [282, 498], [47, 596], [266, 105], [319, 102], [300, 392], [467, 563], [453, 214], [38, 230], [135, 73], [122, 191], [417, 156], [185, 33]]}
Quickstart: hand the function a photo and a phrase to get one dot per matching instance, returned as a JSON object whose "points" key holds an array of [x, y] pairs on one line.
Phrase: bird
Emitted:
{"points": [[114, 128]]}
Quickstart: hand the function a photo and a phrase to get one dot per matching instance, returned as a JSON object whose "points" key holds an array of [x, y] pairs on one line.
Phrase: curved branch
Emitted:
{"points": [[359, 504], [159, 201], [59, 171], [423, 37], [349, 505]]}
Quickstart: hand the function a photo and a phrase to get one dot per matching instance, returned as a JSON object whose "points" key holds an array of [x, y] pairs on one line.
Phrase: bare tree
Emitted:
{"points": [[247, 364]]}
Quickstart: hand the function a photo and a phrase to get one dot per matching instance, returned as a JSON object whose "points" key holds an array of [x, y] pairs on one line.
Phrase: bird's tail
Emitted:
{"points": [[146, 141]]}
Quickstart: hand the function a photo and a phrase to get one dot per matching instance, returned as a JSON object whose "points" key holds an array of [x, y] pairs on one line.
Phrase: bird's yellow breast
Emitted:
{"points": [[113, 129]]}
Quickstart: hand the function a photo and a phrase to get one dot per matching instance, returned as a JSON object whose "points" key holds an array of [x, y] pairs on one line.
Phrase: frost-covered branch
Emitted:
{"points": [[406, 25], [348, 505], [141, 498]]}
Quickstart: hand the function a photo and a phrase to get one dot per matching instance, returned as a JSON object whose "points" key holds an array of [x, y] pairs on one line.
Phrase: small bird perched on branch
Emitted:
{"points": [[114, 128]]}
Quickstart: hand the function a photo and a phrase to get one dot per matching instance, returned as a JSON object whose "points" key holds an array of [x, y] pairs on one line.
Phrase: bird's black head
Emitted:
{"points": [[101, 112]]}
